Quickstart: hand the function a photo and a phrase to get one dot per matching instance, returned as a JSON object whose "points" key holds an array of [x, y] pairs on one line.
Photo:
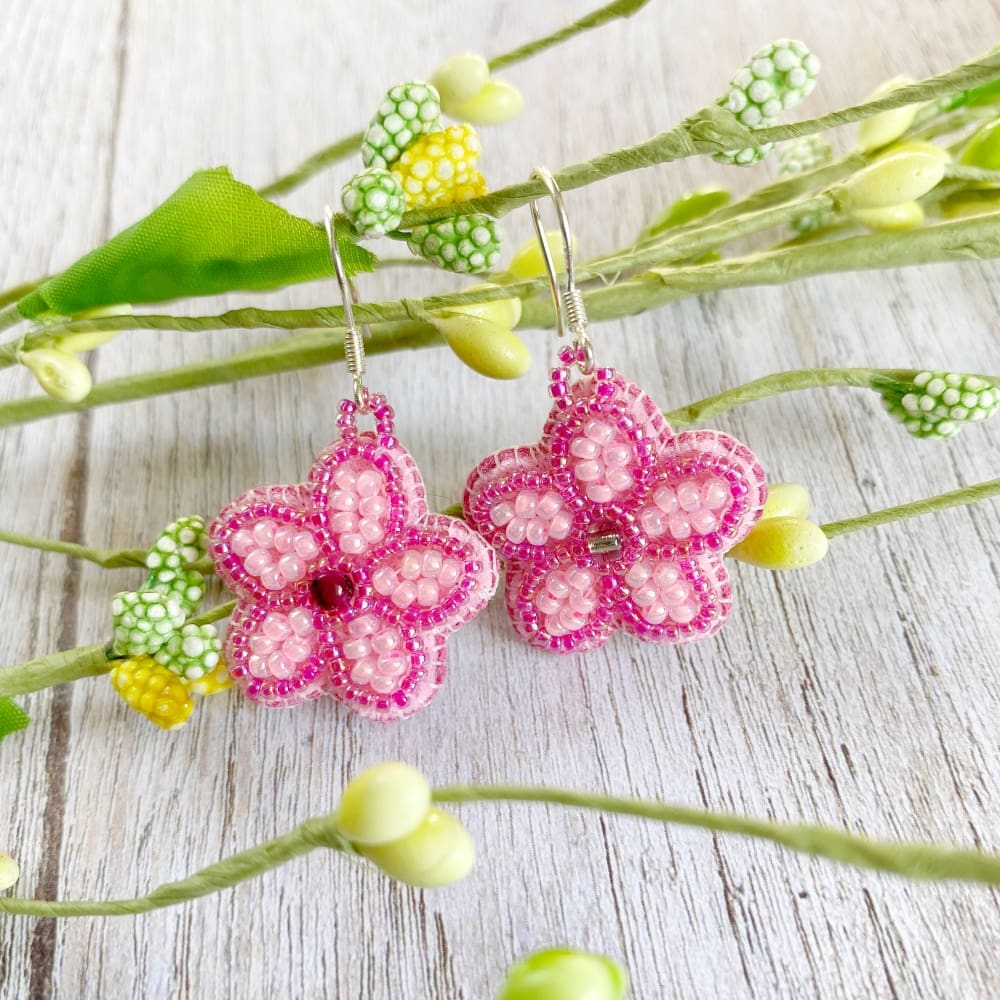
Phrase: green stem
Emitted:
{"points": [[108, 558], [877, 518], [711, 130], [313, 833], [918, 861], [17, 292], [351, 144], [57, 668], [930, 862], [215, 614], [9, 316]]}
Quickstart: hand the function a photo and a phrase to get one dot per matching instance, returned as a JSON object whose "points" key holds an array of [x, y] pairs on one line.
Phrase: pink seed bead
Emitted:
{"points": [[665, 575], [689, 496], [369, 483], [680, 527], [262, 645], [703, 521], [557, 584], [284, 538], [345, 479], [411, 566], [538, 532], [427, 593], [301, 621], [583, 603], [516, 531], [676, 593], [501, 514], [584, 448], [352, 544], [653, 521], [617, 455], [342, 500], [618, 479], [373, 506], [525, 504], [405, 594], [547, 604], [292, 568], [431, 563], [683, 613], [263, 533], [580, 579], [305, 545], [364, 625], [392, 665], [598, 430], [276, 627], [714, 493], [560, 525], [384, 580], [363, 671], [450, 573], [356, 649], [554, 627], [296, 650], [280, 666], [343, 521], [589, 471], [242, 543], [549, 504], [571, 620], [655, 613], [644, 596], [258, 561], [600, 493], [257, 666], [273, 579], [384, 642], [637, 575], [371, 531], [382, 684], [666, 500]]}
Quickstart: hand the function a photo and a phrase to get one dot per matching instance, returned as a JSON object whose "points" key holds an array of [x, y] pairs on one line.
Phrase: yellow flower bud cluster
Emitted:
{"points": [[386, 813], [783, 538], [470, 94], [441, 168]]}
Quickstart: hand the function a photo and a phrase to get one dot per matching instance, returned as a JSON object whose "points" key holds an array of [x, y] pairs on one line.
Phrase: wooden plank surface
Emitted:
{"points": [[862, 693]]}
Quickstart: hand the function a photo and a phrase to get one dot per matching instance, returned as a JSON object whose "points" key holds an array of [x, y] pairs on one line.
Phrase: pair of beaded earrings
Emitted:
{"points": [[349, 587]]}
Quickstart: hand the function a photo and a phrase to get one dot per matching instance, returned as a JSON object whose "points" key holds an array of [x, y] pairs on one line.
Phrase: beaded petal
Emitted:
{"points": [[612, 520], [347, 586]]}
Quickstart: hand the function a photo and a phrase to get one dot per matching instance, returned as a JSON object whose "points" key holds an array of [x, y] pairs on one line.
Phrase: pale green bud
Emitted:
{"points": [[63, 376]]}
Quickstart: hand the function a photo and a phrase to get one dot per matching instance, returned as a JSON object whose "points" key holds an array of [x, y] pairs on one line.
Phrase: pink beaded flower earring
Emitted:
{"points": [[347, 586], [612, 520]]}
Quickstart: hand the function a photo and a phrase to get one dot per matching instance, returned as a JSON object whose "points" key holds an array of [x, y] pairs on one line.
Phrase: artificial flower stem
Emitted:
{"points": [[108, 558], [57, 668], [877, 518]]}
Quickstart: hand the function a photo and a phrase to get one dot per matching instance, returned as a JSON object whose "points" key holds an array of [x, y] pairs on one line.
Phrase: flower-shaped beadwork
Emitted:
{"points": [[612, 520], [347, 586]]}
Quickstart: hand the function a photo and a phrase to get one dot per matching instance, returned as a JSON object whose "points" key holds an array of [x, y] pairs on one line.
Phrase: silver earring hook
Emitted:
{"points": [[354, 344], [571, 315]]}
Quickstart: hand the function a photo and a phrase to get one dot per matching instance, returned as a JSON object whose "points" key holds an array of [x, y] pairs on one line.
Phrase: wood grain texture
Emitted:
{"points": [[863, 692]]}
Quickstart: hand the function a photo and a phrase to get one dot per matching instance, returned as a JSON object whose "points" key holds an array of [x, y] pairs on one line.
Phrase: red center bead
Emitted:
{"points": [[333, 592]]}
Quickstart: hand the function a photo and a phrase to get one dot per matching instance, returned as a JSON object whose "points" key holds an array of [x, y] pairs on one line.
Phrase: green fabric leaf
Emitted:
{"points": [[212, 235], [12, 718]]}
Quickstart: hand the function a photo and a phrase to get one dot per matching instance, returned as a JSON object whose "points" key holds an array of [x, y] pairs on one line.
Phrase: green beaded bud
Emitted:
{"points": [[936, 404], [192, 652], [374, 202], [180, 544], [776, 78], [465, 244], [143, 621], [796, 157], [407, 111]]}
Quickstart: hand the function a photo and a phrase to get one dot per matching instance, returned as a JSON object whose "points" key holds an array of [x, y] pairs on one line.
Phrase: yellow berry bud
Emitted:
{"points": [[61, 375], [77, 343], [213, 682], [562, 974], [486, 347], [983, 149], [881, 129], [782, 543], [153, 691], [383, 804], [459, 78], [528, 261], [439, 852], [895, 218], [919, 146], [786, 500], [891, 180], [9, 871], [496, 103], [122, 309]]}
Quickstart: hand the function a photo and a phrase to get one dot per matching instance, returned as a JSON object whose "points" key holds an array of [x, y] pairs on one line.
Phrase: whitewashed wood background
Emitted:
{"points": [[861, 693]]}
